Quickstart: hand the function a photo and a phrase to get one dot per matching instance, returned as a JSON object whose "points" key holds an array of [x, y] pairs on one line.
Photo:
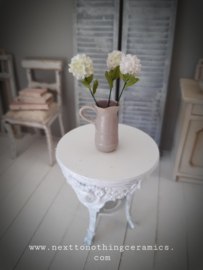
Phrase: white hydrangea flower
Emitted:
{"points": [[114, 59], [81, 66], [130, 64]]}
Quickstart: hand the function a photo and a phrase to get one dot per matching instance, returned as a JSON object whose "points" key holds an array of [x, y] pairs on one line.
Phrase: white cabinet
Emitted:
{"points": [[187, 152]]}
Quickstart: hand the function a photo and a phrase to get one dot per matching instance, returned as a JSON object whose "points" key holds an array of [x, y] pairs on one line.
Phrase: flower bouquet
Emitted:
{"points": [[106, 122], [125, 66]]}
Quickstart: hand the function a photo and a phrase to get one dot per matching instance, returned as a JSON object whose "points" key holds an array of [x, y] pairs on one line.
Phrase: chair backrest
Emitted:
{"points": [[57, 66]]}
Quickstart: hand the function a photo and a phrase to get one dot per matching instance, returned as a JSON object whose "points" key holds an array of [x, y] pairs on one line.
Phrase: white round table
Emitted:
{"points": [[99, 177]]}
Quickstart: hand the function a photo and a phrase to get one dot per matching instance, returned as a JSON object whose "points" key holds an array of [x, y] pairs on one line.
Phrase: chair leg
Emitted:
{"points": [[50, 144], [37, 131], [17, 131], [9, 129], [61, 124]]}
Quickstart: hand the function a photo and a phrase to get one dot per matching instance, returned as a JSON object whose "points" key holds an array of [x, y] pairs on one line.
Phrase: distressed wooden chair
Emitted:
{"points": [[38, 119]]}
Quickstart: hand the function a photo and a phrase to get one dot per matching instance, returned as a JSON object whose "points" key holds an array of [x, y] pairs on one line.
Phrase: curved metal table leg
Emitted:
{"points": [[128, 204], [92, 225]]}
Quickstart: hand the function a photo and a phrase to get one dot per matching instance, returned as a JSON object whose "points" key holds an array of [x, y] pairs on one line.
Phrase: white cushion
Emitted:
{"points": [[38, 116]]}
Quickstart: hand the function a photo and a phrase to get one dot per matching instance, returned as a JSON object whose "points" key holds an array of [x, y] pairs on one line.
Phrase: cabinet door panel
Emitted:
{"points": [[197, 155], [147, 31], [192, 156]]}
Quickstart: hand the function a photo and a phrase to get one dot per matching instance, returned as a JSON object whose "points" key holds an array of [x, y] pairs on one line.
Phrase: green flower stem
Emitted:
{"points": [[109, 97], [92, 94], [121, 93], [94, 98]]}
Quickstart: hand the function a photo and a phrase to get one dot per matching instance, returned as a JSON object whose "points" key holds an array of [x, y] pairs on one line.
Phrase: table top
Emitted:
{"points": [[136, 156], [191, 92]]}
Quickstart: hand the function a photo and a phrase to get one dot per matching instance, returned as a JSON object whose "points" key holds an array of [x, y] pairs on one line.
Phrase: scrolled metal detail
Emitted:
{"points": [[94, 196]]}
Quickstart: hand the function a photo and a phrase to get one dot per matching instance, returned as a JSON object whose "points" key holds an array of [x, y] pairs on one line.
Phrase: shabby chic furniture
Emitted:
{"points": [[98, 177], [187, 151], [38, 119]]}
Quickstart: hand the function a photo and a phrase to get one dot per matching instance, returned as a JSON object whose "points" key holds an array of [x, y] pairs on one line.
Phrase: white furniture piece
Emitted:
{"points": [[38, 118], [99, 177], [187, 151]]}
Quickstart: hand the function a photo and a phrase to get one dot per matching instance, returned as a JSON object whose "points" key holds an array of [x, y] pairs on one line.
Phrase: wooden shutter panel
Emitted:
{"points": [[96, 35], [148, 31]]}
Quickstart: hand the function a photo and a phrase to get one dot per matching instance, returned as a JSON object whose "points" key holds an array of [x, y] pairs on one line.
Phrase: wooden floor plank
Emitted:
{"points": [[21, 143], [5, 163], [51, 231], [5, 154], [193, 199], [171, 225], [4, 145], [25, 142], [72, 259], [110, 234], [74, 235], [143, 212], [18, 196], [21, 165], [17, 237]]}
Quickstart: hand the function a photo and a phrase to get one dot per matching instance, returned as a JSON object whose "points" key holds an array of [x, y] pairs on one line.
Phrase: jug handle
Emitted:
{"points": [[92, 121]]}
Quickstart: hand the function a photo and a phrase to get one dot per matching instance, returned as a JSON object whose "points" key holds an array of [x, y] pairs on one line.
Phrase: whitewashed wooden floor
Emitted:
{"points": [[37, 207]]}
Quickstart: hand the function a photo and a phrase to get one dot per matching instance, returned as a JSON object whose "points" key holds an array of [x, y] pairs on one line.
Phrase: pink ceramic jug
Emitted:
{"points": [[106, 124]]}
